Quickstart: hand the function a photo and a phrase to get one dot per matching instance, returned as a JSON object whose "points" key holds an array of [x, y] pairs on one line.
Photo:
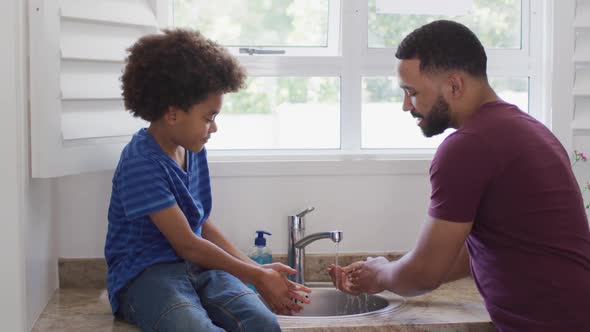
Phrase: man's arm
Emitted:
{"points": [[435, 259], [461, 267]]}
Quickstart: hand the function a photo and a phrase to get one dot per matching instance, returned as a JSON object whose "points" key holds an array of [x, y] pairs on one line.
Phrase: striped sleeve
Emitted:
{"points": [[144, 187]]}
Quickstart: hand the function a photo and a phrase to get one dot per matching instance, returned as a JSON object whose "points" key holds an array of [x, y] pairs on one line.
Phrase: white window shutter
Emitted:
{"points": [[581, 69], [582, 50], [77, 52]]}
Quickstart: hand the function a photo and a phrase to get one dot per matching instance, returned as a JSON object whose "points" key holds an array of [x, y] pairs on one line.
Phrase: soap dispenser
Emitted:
{"points": [[261, 254]]}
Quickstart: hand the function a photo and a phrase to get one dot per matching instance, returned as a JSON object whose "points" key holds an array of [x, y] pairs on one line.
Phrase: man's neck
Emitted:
{"points": [[473, 103]]}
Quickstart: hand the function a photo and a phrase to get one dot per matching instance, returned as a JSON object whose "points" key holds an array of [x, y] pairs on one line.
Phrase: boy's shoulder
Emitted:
{"points": [[143, 145], [140, 150]]}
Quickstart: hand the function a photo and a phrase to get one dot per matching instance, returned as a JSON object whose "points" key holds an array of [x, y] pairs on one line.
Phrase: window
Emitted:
{"points": [[322, 76], [258, 23], [308, 95], [386, 126], [498, 24], [265, 27], [281, 113]]}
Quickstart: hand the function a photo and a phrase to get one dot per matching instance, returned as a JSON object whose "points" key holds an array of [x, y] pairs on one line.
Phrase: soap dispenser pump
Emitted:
{"points": [[261, 253]]}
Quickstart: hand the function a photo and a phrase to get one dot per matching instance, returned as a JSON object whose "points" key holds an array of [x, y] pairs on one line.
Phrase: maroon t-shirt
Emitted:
{"points": [[530, 242]]}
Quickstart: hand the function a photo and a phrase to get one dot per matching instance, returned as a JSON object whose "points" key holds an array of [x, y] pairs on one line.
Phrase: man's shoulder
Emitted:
{"points": [[463, 147], [484, 131], [462, 142], [497, 117]]}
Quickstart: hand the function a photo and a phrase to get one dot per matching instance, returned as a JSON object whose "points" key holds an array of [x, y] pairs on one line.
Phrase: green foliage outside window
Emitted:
{"points": [[304, 23], [497, 23]]}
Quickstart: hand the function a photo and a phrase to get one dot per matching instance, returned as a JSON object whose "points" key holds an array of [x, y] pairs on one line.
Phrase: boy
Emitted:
{"points": [[169, 267]]}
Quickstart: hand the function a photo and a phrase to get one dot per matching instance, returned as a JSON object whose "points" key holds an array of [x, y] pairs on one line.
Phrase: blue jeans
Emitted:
{"points": [[185, 297]]}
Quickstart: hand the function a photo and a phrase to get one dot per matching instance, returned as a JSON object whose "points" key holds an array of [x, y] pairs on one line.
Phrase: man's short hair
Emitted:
{"points": [[445, 45]]}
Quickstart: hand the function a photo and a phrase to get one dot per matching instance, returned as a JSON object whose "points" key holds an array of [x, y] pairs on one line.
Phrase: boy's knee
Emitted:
{"points": [[263, 320]]}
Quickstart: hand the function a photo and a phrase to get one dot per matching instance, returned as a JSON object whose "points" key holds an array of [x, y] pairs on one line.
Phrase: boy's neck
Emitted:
{"points": [[167, 145]]}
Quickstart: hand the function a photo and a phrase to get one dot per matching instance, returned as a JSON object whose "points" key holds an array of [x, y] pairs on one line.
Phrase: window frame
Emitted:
{"points": [[332, 39], [352, 63]]}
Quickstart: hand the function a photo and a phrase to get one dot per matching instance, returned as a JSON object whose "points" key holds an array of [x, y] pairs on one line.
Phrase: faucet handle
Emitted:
{"points": [[303, 213]]}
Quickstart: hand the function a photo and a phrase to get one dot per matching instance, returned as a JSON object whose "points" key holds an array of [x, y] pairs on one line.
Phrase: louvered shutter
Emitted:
{"points": [[582, 64], [77, 51]]}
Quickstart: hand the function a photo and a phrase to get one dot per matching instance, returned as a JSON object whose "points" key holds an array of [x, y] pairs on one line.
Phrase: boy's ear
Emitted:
{"points": [[171, 114]]}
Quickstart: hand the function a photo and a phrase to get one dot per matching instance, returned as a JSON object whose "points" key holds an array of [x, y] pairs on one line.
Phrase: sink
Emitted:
{"points": [[330, 302]]}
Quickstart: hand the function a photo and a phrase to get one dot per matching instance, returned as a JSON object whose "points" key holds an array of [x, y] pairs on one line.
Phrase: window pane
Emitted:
{"points": [[514, 90], [278, 23], [386, 126], [281, 113], [497, 23]]}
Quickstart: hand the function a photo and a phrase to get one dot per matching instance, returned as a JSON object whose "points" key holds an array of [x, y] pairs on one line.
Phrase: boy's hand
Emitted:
{"points": [[278, 291], [286, 270], [280, 267]]}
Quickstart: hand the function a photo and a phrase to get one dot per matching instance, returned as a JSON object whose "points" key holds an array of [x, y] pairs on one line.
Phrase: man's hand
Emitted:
{"points": [[359, 277], [366, 277], [340, 279]]}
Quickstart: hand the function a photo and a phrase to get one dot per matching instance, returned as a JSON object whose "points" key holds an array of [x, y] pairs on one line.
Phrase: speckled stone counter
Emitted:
{"points": [[456, 306]]}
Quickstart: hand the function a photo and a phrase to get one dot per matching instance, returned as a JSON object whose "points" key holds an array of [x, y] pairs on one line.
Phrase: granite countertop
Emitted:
{"points": [[456, 306]]}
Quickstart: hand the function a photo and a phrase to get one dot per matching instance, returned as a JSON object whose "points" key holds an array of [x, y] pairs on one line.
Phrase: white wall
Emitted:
{"points": [[40, 228], [27, 240], [41, 246], [12, 304], [376, 213]]}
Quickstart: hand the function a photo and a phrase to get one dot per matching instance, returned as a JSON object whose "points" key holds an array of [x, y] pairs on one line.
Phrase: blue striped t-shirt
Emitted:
{"points": [[147, 180]]}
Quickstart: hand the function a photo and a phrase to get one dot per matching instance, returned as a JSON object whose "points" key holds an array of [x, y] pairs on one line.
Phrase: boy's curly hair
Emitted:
{"points": [[177, 68]]}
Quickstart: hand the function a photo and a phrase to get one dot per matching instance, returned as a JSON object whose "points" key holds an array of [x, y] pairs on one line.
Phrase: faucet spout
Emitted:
{"points": [[298, 241], [335, 236]]}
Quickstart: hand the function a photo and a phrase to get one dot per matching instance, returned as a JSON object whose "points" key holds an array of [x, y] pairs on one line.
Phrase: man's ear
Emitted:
{"points": [[456, 83]]}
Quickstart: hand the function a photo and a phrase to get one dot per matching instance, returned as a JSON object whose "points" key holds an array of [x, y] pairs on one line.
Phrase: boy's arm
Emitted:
{"points": [[270, 283], [212, 233], [173, 224]]}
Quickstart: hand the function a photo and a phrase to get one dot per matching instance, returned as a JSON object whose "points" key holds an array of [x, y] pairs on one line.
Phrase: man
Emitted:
{"points": [[505, 205]]}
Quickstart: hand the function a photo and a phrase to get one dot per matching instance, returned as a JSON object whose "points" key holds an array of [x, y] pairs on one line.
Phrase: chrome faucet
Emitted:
{"points": [[298, 241]]}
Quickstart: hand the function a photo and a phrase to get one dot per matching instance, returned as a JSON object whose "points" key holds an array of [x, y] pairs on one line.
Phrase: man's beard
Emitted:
{"points": [[437, 120]]}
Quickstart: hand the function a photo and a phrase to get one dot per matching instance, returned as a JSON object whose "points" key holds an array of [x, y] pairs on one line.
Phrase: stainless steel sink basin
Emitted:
{"points": [[330, 302]]}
